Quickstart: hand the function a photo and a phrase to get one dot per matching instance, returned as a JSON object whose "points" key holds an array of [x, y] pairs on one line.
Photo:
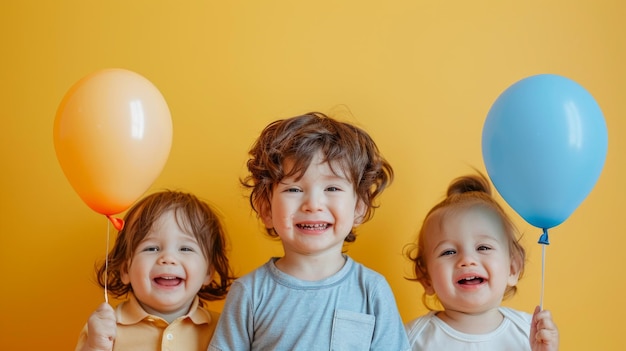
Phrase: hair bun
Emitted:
{"points": [[469, 183]]}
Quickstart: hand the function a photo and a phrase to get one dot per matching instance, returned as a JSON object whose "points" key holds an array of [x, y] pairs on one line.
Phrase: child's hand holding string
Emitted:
{"points": [[102, 329], [544, 335]]}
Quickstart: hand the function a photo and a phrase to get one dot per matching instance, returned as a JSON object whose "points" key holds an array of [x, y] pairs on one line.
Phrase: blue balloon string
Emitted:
{"points": [[544, 241]]}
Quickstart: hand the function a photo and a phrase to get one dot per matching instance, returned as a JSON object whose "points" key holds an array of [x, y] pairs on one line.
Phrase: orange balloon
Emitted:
{"points": [[112, 136]]}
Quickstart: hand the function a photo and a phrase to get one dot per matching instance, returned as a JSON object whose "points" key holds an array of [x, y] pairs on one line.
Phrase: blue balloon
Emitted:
{"points": [[544, 144]]}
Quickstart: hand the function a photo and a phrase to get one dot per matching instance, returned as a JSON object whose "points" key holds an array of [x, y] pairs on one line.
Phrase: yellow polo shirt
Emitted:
{"points": [[140, 331]]}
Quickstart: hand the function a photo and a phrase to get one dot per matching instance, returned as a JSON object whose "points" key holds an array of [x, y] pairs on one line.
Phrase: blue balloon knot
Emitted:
{"points": [[544, 238]]}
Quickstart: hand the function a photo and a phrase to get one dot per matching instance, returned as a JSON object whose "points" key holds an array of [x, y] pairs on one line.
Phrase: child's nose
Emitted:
{"points": [[167, 257], [312, 202], [466, 259]]}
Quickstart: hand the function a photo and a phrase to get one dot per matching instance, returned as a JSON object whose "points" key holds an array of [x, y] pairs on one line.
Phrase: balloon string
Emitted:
{"points": [[543, 274], [106, 264], [544, 241]]}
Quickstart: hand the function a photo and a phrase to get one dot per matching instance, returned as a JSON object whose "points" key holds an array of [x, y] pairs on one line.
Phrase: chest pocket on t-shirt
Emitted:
{"points": [[352, 331]]}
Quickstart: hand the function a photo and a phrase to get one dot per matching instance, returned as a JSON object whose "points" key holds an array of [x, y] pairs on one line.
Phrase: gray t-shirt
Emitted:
{"points": [[353, 309]]}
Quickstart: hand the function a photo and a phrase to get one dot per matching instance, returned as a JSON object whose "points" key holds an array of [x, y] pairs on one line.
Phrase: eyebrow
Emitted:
{"points": [[481, 238], [441, 244]]}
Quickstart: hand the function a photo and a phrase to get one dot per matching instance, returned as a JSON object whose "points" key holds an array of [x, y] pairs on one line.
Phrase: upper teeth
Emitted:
{"points": [[314, 225]]}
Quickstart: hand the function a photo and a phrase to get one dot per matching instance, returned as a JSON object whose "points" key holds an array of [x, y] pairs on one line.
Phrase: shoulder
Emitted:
{"points": [[369, 280], [253, 285], [521, 320], [415, 327], [202, 314], [516, 315], [214, 317], [364, 272], [256, 274]]}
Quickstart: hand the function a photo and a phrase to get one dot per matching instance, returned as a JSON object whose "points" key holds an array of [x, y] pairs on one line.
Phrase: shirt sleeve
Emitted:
{"points": [[82, 339], [389, 332], [235, 328]]}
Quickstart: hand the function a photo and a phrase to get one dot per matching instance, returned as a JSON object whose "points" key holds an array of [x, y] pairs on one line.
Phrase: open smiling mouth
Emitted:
{"points": [[168, 281], [313, 226], [471, 281]]}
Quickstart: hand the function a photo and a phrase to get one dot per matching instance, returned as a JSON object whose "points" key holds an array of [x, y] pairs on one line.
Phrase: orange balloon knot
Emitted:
{"points": [[118, 223]]}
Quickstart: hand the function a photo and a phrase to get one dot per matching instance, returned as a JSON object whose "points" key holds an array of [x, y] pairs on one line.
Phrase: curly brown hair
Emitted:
{"points": [[193, 216], [299, 139]]}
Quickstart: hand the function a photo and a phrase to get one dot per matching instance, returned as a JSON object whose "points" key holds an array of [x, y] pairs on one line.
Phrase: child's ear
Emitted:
{"points": [[359, 213], [266, 217], [124, 275], [265, 214], [209, 277], [514, 274], [428, 287]]}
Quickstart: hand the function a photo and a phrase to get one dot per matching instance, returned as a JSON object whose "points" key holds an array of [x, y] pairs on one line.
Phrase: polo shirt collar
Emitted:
{"points": [[130, 312]]}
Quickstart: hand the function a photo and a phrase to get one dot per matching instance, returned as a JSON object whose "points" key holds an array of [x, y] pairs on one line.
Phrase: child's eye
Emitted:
{"points": [[188, 249], [483, 248], [150, 248], [448, 253], [333, 188], [293, 190]]}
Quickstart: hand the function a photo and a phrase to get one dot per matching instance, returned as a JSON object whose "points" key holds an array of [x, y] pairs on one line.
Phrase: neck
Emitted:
{"points": [[310, 268], [168, 316], [472, 323]]}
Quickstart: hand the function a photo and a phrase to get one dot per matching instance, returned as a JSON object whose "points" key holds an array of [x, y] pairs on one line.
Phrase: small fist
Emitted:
{"points": [[544, 335], [101, 329]]}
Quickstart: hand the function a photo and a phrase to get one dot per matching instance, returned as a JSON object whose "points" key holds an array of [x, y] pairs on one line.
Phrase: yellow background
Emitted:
{"points": [[419, 75]]}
